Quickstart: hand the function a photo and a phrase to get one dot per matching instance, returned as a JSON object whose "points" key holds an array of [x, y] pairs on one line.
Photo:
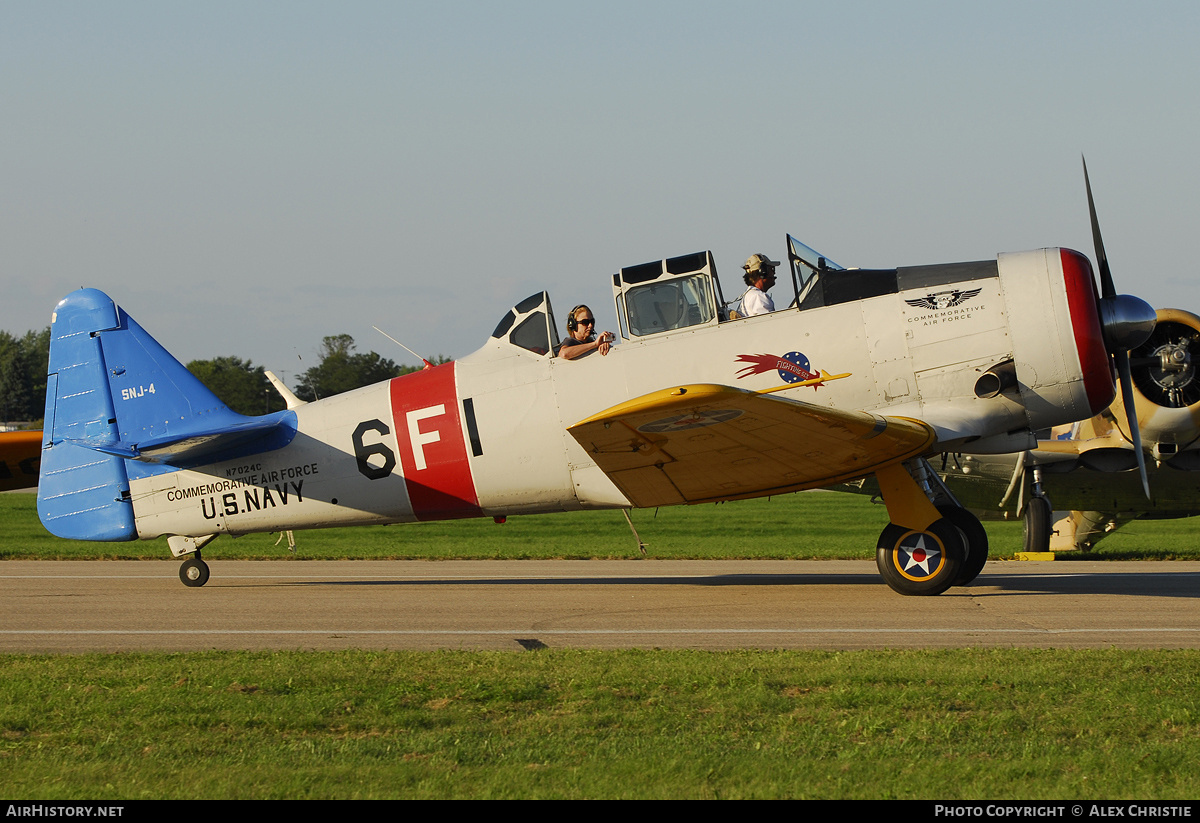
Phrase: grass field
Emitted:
{"points": [[810, 525], [944, 725], [963, 724]]}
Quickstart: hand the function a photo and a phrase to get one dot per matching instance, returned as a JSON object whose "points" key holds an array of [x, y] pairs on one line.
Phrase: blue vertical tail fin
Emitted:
{"points": [[119, 406]]}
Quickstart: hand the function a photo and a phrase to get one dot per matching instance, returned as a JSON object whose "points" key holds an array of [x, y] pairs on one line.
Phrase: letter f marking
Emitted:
{"points": [[418, 438]]}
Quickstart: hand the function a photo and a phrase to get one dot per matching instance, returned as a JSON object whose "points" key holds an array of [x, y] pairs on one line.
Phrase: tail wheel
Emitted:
{"points": [[921, 563], [976, 539], [1038, 523], [193, 572]]}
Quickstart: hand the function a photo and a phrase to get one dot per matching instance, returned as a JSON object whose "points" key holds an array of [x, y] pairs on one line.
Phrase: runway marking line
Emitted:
{"points": [[526, 630]]}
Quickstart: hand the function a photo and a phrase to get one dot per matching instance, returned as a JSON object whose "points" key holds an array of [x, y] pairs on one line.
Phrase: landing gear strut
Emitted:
{"points": [[194, 571]]}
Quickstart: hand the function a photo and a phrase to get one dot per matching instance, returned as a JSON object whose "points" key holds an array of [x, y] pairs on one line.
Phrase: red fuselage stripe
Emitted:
{"points": [[433, 451]]}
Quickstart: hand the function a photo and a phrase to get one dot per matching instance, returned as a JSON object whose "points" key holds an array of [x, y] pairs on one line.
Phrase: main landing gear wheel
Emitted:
{"points": [[1038, 523], [976, 540], [921, 563], [193, 572]]}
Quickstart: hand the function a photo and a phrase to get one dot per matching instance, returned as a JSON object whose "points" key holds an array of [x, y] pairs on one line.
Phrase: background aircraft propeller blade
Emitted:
{"points": [[1122, 358], [1128, 322]]}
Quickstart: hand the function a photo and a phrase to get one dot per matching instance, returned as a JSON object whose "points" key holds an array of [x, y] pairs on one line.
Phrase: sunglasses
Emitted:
{"points": [[586, 321]]}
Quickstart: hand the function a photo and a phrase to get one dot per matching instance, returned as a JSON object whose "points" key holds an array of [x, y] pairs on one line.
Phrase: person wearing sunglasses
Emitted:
{"points": [[760, 277], [581, 337]]}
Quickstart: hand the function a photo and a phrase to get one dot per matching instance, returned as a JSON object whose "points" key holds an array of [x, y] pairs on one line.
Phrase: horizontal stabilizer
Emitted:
{"points": [[185, 448]]}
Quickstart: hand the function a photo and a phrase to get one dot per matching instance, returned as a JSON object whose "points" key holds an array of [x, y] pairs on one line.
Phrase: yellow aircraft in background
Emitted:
{"points": [[20, 456]]}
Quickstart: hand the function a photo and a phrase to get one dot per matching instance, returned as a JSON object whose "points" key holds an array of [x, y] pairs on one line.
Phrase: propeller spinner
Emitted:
{"points": [[1127, 322]]}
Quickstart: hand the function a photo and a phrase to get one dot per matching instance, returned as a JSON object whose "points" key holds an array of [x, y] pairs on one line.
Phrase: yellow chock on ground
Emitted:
{"points": [[1035, 555]]}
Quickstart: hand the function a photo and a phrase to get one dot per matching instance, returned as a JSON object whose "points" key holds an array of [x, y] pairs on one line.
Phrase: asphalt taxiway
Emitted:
{"points": [[80, 606]]}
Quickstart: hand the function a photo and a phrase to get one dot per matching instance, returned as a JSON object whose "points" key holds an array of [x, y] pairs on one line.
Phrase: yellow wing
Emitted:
{"points": [[702, 443]]}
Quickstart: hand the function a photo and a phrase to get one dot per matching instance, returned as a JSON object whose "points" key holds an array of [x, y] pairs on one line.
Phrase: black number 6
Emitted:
{"points": [[362, 451]]}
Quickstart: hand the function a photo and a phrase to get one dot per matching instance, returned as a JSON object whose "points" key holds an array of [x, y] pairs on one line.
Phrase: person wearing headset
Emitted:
{"points": [[760, 277], [581, 337]]}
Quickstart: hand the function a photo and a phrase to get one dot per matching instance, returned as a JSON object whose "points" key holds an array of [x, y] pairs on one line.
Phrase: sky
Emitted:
{"points": [[246, 178]]}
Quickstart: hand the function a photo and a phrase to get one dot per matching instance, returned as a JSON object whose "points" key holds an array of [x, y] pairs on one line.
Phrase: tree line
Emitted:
{"points": [[23, 363], [240, 384]]}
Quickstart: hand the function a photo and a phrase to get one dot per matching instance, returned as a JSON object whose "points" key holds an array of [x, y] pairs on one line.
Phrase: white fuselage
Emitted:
{"points": [[487, 434]]}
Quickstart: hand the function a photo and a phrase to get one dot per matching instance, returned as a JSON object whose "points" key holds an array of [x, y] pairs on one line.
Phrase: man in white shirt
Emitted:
{"points": [[760, 277]]}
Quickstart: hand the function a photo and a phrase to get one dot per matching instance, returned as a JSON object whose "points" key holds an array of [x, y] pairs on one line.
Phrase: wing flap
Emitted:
{"points": [[702, 443]]}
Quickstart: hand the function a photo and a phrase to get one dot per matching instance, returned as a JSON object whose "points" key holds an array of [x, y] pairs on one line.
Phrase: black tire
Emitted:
{"points": [[1039, 520], [976, 539], [921, 563], [193, 572]]}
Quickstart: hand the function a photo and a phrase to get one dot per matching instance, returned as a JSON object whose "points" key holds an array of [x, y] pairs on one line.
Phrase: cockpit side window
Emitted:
{"points": [[530, 325], [673, 304], [667, 295], [532, 334]]}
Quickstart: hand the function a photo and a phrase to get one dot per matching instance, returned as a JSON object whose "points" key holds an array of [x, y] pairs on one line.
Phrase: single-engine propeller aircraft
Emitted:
{"points": [[868, 372], [1081, 483]]}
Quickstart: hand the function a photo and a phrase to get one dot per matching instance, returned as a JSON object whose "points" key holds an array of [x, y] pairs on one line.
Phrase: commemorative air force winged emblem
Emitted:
{"points": [[943, 299]]}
